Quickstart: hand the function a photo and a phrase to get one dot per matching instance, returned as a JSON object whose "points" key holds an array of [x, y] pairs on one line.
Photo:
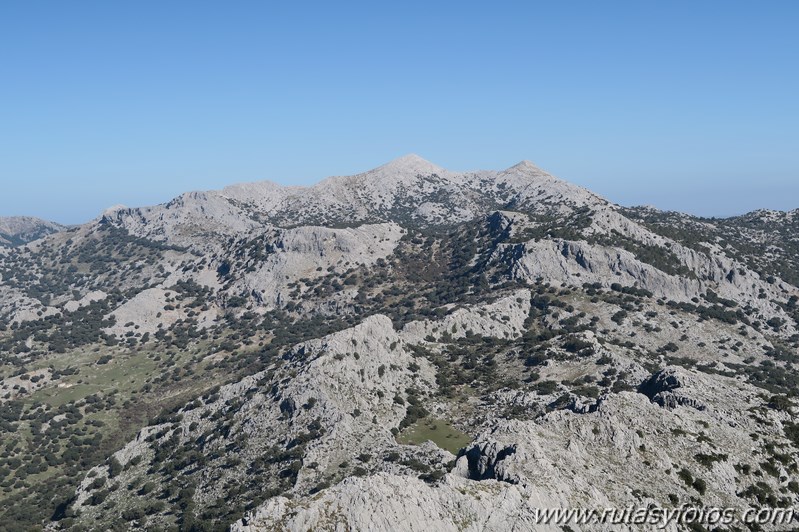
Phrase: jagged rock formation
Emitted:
{"points": [[665, 388], [409, 348]]}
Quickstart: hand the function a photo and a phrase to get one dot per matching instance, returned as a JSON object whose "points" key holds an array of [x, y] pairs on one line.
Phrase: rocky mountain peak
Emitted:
{"points": [[404, 171], [526, 166], [410, 164]]}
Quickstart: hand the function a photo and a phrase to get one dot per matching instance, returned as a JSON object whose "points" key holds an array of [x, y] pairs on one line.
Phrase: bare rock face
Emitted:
{"points": [[503, 318], [486, 461], [311, 253], [390, 502], [579, 262], [666, 388], [198, 219]]}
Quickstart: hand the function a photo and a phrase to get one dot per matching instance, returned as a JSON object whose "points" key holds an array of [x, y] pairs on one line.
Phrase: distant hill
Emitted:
{"points": [[19, 230]]}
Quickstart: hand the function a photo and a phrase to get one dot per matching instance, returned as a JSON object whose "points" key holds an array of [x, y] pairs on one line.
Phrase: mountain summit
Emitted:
{"points": [[408, 189], [410, 164]]}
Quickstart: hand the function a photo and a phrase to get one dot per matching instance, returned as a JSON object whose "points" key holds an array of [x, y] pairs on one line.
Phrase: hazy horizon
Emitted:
{"points": [[310, 182], [683, 106]]}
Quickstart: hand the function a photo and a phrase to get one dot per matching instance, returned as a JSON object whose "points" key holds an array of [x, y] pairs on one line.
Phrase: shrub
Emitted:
{"points": [[700, 486], [619, 317], [546, 387], [685, 476]]}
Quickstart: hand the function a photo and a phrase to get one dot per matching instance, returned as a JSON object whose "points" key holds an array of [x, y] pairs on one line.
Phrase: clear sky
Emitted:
{"points": [[687, 105]]}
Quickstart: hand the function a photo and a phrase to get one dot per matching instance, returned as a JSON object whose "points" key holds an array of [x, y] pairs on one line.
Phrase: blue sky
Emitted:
{"points": [[683, 105]]}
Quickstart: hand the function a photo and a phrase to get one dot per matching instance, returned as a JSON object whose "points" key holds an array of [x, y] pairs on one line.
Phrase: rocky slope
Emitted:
{"points": [[408, 348], [18, 230]]}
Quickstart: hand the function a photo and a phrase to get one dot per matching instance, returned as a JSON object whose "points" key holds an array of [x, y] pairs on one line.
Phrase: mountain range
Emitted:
{"points": [[410, 348]]}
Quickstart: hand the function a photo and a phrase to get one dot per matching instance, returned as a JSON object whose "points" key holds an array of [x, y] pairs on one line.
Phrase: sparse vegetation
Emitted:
{"points": [[107, 330]]}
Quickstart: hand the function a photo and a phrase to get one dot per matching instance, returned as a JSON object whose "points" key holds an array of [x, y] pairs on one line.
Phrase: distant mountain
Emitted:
{"points": [[408, 348], [18, 230], [408, 190]]}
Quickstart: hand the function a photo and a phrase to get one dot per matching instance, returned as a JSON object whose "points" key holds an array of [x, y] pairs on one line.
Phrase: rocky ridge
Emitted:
{"points": [[408, 347], [18, 230]]}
